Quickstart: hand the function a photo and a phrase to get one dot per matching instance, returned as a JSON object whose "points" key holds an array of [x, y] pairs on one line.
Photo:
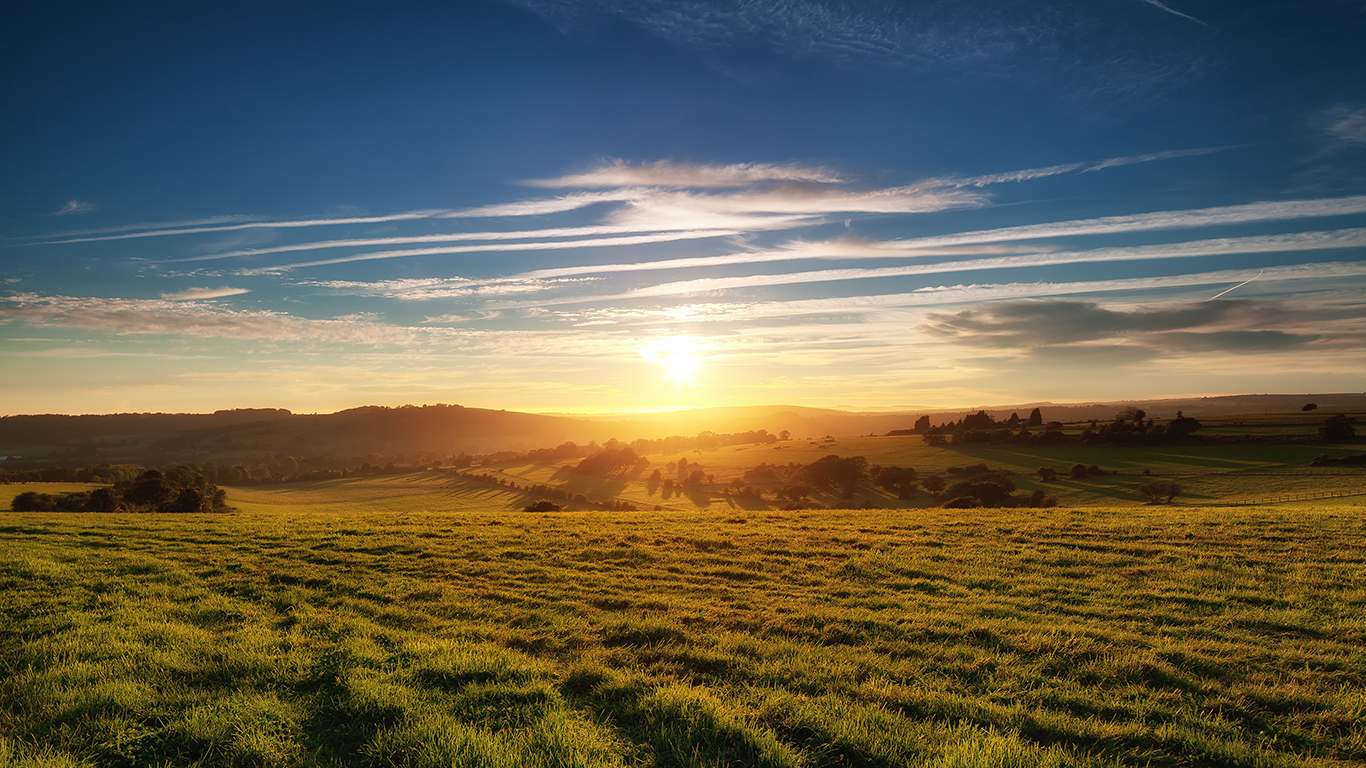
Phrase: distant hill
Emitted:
{"points": [[230, 435]]}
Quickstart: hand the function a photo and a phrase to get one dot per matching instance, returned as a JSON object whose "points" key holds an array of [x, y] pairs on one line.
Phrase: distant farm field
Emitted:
{"points": [[1208, 473], [422, 621]]}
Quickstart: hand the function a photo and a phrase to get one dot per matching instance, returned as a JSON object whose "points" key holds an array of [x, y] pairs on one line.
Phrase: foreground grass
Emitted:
{"points": [[1133, 637]]}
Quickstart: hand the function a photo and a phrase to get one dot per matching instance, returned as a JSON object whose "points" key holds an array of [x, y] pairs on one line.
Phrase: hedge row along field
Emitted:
{"points": [[380, 634]]}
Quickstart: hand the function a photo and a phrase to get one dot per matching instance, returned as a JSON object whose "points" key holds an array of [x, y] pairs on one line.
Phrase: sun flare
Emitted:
{"points": [[679, 357]]}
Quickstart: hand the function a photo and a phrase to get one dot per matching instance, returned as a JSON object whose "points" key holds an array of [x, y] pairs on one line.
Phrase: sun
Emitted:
{"points": [[678, 356]]}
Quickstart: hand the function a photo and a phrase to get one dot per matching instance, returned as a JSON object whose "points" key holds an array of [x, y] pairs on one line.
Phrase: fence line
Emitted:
{"points": [[1290, 497]]}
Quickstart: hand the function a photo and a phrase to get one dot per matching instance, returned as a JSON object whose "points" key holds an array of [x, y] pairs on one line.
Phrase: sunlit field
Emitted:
{"points": [[424, 620]]}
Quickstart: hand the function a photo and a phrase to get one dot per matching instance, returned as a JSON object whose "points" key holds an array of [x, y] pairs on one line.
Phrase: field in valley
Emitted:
{"points": [[424, 620]]}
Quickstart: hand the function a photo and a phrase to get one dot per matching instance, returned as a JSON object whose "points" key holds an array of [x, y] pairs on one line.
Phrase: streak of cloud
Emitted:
{"points": [[196, 294], [664, 173], [1174, 12], [283, 224], [1227, 291], [747, 312], [493, 247], [450, 238], [74, 206], [1308, 241]]}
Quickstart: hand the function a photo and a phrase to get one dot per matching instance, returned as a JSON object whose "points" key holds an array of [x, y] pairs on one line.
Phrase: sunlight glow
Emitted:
{"points": [[679, 357]]}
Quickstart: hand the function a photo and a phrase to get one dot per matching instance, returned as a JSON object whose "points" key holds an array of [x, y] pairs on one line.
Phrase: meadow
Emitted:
{"points": [[1209, 473], [424, 620]]}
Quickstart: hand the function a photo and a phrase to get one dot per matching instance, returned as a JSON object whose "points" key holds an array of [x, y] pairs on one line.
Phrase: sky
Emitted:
{"points": [[602, 205]]}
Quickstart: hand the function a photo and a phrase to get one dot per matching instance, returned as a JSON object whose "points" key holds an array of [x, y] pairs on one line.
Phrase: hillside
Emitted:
{"points": [[234, 435]]}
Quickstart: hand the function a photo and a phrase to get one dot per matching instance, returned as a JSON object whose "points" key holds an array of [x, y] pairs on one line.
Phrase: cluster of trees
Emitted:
{"points": [[609, 461], [179, 490], [1337, 427], [103, 474], [684, 475], [1130, 426], [548, 492], [571, 450], [1324, 460]]}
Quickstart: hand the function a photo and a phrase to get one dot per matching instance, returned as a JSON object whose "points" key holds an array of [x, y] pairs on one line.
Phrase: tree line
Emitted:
{"points": [[179, 490]]}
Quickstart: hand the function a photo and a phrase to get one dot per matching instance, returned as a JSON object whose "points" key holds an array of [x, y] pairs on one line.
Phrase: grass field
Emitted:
{"points": [[419, 621], [1207, 472]]}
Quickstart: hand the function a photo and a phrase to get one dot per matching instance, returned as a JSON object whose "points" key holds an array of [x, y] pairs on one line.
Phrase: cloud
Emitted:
{"points": [[362, 242], [863, 305], [1226, 326], [1147, 222], [175, 318], [1174, 12], [422, 289], [280, 224], [1305, 241], [74, 206], [494, 247], [194, 294], [665, 173], [1346, 124]]}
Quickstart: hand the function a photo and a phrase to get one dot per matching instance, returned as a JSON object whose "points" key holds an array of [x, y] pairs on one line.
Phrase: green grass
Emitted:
{"points": [[1207, 472], [406, 621]]}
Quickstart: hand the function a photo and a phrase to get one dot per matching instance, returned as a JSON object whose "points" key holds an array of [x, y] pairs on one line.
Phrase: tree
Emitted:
{"points": [[1078, 472], [922, 425], [1047, 474], [1310, 407], [1131, 414], [1182, 426], [1035, 419], [934, 484], [979, 420], [833, 471], [1157, 490], [32, 501], [988, 493], [933, 439], [1337, 427], [544, 505], [784, 435], [902, 480]]}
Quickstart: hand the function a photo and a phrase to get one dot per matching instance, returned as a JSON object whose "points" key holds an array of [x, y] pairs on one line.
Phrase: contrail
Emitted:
{"points": [[1236, 287], [1174, 12]]}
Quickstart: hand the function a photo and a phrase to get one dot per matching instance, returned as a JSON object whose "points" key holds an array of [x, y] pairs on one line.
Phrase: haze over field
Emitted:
{"points": [[601, 205]]}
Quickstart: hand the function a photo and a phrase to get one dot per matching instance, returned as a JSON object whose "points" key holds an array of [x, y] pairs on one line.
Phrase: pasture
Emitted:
{"points": [[422, 620], [1209, 473]]}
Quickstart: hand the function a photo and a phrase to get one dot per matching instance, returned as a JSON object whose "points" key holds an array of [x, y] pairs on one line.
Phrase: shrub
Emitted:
{"points": [[1156, 490], [32, 501], [962, 502], [544, 505]]}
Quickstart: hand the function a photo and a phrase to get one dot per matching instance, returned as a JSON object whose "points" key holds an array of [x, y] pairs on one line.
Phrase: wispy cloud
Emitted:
{"points": [[859, 305], [177, 318], [195, 294], [1307, 241], [665, 173], [423, 289], [74, 206], [1174, 12], [493, 247], [281, 224], [1346, 124], [363, 242]]}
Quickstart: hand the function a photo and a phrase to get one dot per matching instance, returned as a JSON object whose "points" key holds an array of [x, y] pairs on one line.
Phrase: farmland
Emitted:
{"points": [[426, 619], [421, 620]]}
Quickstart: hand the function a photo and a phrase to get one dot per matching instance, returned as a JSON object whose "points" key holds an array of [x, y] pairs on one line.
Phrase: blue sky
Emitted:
{"points": [[599, 205]]}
